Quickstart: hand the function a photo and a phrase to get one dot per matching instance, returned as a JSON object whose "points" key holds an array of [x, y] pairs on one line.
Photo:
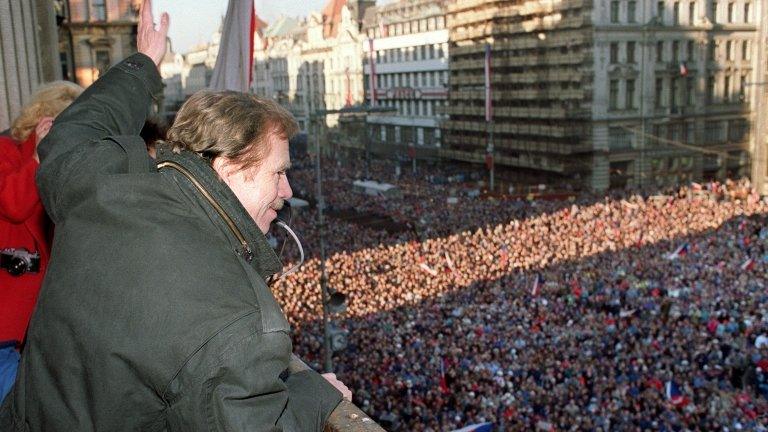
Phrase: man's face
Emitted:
{"points": [[261, 190]]}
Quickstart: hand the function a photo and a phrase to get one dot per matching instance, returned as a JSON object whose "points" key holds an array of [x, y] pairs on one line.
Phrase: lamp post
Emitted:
{"points": [[327, 298]]}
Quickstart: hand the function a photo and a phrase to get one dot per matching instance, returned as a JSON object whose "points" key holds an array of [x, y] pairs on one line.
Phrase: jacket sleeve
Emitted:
{"points": [[242, 389], [82, 142]]}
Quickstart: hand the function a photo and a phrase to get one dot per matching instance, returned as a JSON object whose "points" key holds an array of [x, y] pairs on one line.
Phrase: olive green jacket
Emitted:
{"points": [[154, 314]]}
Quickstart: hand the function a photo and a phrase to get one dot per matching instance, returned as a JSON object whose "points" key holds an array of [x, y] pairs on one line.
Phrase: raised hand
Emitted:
{"points": [[151, 41]]}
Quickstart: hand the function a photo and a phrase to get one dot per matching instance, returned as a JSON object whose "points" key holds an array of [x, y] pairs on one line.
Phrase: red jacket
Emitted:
{"points": [[23, 224]]}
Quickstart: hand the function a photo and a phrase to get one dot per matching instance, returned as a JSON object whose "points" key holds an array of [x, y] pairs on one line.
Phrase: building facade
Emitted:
{"points": [[405, 67], [28, 53], [313, 64], [607, 93], [760, 101], [673, 104], [95, 35]]}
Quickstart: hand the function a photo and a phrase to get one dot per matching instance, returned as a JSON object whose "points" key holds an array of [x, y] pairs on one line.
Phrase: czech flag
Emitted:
{"points": [[674, 395], [748, 265], [680, 251]]}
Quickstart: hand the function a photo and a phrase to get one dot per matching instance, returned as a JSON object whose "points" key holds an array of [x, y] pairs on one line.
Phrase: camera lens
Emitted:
{"points": [[18, 266]]}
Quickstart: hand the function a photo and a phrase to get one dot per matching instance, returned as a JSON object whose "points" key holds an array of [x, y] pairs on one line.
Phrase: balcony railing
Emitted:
{"points": [[346, 417]]}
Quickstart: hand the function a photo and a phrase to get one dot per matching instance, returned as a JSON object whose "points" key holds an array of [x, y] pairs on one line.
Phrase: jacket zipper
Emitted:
{"points": [[247, 253]]}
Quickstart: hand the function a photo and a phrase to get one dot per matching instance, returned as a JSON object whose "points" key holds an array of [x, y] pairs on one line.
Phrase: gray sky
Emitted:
{"points": [[193, 21]]}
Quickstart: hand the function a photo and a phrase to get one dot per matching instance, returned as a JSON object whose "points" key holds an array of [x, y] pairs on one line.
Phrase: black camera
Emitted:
{"points": [[19, 261]]}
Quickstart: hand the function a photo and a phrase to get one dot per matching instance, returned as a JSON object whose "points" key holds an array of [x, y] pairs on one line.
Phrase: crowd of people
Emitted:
{"points": [[631, 311]]}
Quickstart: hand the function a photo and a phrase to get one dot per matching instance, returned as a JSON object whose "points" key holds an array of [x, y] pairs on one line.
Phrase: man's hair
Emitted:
{"points": [[231, 124], [48, 100]]}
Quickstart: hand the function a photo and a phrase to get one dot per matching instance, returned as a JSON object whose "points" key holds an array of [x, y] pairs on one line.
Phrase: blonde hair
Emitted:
{"points": [[48, 100], [230, 124]]}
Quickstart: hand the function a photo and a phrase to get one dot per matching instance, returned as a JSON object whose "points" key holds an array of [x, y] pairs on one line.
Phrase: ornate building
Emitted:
{"points": [[96, 34]]}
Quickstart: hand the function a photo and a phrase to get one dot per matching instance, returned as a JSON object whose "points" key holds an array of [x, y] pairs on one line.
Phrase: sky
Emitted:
{"points": [[194, 21]]}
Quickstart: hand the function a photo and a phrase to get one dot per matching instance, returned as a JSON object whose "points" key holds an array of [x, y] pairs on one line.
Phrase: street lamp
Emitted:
{"points": [[332, 300]]}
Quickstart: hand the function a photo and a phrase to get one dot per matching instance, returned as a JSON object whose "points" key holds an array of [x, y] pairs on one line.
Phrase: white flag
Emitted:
{"points": [[234, 62]]}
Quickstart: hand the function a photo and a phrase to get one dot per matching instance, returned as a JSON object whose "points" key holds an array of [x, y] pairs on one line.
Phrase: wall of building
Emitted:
{"points": [[28, 53]]}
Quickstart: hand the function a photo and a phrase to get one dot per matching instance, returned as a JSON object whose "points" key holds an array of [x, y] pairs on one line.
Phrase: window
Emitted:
{"points": [[630, 52], [102, 61], [730, 12], [631, 11], [692, 13], [690, 51], [729, 50], [737, 130], [690, 91], [659, 101], [676, 13], [673, 92], [713, 9], [711, 89], [747, 11], [727, 89], [745, 48], [690, 132], [660, 51], [613, 96], [614, 11], [711, 50], [743, 89], [614, 58], [619, 138], [98, 10], [675, 51], [630, 99], [660, 11], [714, 132]]}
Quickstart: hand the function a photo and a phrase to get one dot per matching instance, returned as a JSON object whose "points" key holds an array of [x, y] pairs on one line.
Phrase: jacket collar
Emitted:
{"points": [[265, 260]]}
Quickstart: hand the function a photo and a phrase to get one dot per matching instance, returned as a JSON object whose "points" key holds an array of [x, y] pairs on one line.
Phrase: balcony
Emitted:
{"points": [[346, 417]]}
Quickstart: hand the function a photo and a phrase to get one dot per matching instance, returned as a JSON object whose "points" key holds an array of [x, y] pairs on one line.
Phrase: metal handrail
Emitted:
{"points": [[346, 417]]}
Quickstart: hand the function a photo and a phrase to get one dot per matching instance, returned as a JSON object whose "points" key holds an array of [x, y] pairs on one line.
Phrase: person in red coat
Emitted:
{"points": [[24, 226]]}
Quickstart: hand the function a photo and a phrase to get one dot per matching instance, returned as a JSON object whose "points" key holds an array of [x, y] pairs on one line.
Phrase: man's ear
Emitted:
{"points": [[222, 166]]}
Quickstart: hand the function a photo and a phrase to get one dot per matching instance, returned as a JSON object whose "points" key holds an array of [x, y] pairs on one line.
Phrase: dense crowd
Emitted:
{"points": [[625, 312]]}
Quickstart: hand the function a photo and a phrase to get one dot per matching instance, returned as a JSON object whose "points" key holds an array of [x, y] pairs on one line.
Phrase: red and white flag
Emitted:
{"points": [[748, 265], [536, 288], [234, 62]]}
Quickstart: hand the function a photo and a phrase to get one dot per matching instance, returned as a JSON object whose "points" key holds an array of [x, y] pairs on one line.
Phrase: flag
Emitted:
{"points": [[536, 285], [489, 161], [683, 69], [477, 427], [428, 269], [449, 262], [575, 286], [443, 382], [674, 395], [748, 265], [234, 62], [680, 251], [488, 107], [372, 76]]}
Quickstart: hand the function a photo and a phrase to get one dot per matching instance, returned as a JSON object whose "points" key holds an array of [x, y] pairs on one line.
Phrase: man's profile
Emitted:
{"points": [[155, 313]]}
